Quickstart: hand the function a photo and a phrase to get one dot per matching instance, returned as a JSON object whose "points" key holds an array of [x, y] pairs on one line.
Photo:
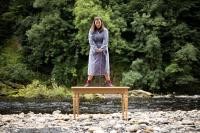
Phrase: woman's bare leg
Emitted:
{"points": [[90, 77], [88, 82], [108, 81], [107, 77]]}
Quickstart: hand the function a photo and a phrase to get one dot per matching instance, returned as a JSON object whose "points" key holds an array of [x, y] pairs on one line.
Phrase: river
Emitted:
{"points": [[108, 105]]}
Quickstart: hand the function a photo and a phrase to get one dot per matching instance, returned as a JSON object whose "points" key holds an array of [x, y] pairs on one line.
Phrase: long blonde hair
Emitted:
{"points": [[94, 28]]}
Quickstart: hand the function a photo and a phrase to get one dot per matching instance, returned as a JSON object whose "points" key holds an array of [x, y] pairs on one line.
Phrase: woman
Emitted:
{"points": [[98, 56]]}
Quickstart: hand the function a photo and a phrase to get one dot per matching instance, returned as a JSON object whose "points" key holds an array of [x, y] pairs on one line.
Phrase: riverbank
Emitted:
{"points": [[147, 121]]}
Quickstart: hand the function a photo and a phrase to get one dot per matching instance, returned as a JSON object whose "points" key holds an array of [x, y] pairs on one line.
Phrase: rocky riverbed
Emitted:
{"points": [[158, 114], [140, 122]]}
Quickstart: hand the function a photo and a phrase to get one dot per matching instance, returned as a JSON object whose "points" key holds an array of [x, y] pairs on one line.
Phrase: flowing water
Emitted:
{"points": [[108, 105]]}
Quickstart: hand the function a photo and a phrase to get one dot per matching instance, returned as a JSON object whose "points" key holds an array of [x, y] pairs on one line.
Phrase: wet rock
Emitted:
{"points": [[2, 123], [143, 123], [95, 130], [112, 122], [142, 126], [6, 119], [162, 120], [133, 128], [113, 131], [140, 93], [63, 117], [118, 126], [158, 130], [187, 122], [56, 112], [139, 131], [149, 130], [87, 123], [164, 130]]}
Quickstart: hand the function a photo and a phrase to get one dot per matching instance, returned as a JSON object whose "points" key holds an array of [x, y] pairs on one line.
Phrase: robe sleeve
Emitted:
{"points": [[105, 40], [93, 45]]}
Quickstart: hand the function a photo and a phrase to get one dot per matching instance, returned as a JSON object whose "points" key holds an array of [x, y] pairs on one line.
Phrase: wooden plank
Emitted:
{"points": [[114, 87], [103, 90]]}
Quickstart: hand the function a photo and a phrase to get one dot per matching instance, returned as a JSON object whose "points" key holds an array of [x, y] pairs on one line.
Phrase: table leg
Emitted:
{"points": [[74, 105], [126, 106], [78, 101], [122, 106]]}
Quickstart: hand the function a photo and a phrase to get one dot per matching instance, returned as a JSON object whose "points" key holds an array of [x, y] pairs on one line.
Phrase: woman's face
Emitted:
{"points": [[97, 23]]}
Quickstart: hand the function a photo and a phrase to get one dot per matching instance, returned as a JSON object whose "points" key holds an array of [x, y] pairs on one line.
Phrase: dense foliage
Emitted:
{"points": [[154, 44]]}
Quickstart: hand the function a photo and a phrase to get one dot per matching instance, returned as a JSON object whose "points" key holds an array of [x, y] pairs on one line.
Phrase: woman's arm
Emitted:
{"points": [[105, 40], [93, 45]]}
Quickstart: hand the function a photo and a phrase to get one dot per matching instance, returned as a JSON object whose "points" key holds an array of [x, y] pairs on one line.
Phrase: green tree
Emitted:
{"points": [[146, 48], [153, 44], [162, 38], [51, 41], [5, 25]]}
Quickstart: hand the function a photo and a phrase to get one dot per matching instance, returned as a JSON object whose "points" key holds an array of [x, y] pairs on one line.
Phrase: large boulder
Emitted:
{"points": [[140, 93]]}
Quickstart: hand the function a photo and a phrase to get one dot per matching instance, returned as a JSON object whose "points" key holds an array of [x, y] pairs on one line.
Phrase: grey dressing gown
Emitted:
{"points": [[98, 63]]}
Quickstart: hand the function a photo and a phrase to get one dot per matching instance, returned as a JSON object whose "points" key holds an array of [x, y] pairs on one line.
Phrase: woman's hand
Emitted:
{"points": [[99, 50]]}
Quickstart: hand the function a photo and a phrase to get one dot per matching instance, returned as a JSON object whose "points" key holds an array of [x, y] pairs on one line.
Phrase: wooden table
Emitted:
{"points": [[101, 90]]}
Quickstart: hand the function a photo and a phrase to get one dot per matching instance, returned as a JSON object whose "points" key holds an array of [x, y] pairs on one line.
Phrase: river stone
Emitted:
{"points": [[41, 119], [118, 126], [2, 123], [84, 117], [21, 115], [158, 130], [6, 119], [163, 130], [162, 120], [198, 129], [99, 131], [112, 122], [116, 115], [56, 112], [30, 113], [187, 122], [87, 123], [140, 131], [143, 122], [113, 131], [149, 130], [99, 96], [142, 126], [133, 128], [95, 130], [140, 93], [63, 117], [98, 117]]}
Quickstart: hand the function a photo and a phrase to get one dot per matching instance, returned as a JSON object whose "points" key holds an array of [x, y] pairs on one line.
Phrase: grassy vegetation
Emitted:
{"points": [[18, 81], [38, 90]]}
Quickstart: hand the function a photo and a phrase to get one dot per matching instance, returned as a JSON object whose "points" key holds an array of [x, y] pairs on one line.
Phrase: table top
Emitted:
{"points": [[103, 90], [103, 87]]}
